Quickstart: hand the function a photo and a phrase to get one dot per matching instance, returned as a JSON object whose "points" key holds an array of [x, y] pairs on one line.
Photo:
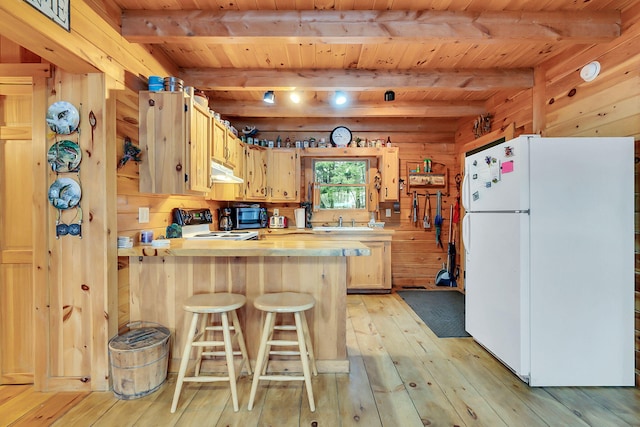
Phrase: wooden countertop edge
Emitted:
{"points": [[251, 248], [332, 233]]}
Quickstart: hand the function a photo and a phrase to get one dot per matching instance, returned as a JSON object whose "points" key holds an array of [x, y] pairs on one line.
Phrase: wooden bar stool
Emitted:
{"points": [[202, 306], [279, 303]]}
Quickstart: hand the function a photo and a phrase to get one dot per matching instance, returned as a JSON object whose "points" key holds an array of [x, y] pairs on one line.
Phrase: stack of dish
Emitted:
{"points": [[161, 243], [173, 84], [125, 242]]}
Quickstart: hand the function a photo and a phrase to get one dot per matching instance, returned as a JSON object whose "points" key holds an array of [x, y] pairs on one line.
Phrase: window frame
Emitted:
{"points": [[331, 216]]}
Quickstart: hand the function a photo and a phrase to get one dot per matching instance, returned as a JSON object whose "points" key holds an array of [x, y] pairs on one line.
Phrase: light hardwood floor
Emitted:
{"points": [[402, 375]]}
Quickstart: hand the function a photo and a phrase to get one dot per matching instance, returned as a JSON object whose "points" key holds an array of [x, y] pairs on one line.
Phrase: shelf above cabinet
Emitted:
{"points": [[427, 179]]}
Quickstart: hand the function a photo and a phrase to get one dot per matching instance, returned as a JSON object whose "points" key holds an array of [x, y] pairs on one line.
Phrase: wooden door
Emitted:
{"points": [[218, 141], [367, 272], [283, 175], [390, 169], [200, 142], [255, 173], [16, 243]]}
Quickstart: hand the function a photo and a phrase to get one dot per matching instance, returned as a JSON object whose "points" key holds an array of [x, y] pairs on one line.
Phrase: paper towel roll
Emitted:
{"points": [[300, 215]]}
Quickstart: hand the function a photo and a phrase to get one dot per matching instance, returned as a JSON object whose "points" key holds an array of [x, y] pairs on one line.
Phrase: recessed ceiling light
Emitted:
{"points": [[590, 71], [341, 98], [269, 97], [295, 97]]}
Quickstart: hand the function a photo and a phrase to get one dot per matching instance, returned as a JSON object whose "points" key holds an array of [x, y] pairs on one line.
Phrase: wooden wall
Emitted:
{"points": [[562, 104]]}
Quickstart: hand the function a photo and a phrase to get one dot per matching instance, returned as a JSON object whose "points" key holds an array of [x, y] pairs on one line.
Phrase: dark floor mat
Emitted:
{"points": [[441, 311]]}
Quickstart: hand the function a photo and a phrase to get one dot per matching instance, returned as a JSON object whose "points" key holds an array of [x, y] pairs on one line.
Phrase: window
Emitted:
{"points": [[341, 184]]}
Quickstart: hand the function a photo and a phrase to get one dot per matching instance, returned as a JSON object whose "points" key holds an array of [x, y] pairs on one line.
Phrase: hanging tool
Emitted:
{"points": [[427, 208], [415, 208], [438, 219], [445, 276]]}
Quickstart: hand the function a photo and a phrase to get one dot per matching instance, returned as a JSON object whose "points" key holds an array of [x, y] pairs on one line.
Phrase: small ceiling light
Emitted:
{"points": [[389, 95], [269, 97], [295, 97], [340, 98], [590, 71]]}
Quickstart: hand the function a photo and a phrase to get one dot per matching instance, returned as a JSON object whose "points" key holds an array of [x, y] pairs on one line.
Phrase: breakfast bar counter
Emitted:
{"points": [[161, 278]]}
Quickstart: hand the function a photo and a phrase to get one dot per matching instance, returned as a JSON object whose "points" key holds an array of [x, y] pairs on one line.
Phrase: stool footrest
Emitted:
{"points": [[282, 342], [285, 352], [205, 379], [284, 328], [221, 353], [282, 377], [208, 343]]}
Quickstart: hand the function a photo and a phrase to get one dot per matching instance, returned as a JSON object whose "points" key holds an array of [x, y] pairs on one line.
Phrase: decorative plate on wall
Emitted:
{"points": [[64, 193], [64, 156], [63, 118]]}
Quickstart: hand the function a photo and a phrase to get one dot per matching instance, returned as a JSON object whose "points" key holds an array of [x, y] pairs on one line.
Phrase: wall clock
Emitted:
{"points": [[340, 136]]}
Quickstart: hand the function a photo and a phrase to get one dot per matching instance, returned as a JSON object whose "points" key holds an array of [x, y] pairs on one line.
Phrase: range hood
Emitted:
{"points": [[221, 174]]}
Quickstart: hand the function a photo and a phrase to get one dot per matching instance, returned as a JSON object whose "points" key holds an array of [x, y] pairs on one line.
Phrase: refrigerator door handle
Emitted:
{"points": [[465, 193], [465, 233]]}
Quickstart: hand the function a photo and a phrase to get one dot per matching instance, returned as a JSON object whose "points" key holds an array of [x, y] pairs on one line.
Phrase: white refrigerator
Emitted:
{"points": [[549, 257]]}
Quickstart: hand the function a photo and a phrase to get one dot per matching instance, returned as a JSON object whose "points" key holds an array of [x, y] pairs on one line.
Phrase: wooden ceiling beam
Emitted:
{"points": [[368, 26], [398, 109], [354, 79]]}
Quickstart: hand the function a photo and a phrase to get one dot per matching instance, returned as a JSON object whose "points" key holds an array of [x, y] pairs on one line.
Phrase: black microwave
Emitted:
{"points": [[245, 217]]}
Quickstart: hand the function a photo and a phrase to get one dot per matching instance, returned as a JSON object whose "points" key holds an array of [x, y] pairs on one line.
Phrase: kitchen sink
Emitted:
{"points": [[326, 228]]}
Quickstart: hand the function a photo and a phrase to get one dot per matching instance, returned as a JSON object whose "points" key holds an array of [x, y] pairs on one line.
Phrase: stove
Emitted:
{"points": [[202, 232]]}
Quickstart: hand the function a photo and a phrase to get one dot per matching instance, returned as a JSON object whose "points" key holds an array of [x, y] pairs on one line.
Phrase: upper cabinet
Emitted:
{"points": [[255, 173], [175, 140], [199, 136], [272, 175], [390, 168], [224, 145], [283, 175]]}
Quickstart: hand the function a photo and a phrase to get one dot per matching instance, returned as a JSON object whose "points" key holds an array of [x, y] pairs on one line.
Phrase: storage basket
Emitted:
{"points": [[139, 360]]}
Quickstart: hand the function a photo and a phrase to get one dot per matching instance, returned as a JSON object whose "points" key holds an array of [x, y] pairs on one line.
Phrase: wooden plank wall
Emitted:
{"points": [[562, 104]]}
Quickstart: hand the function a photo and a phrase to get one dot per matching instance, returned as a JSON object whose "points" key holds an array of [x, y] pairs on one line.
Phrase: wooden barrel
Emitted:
{"points": [[139, 360]]}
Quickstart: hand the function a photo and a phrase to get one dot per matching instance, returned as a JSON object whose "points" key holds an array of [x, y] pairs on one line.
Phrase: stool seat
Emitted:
{"points": [[204, 307], [284, 302], [214, 303]]}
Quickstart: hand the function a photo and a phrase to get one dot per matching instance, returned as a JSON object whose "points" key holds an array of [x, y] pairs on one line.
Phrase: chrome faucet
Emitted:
{"points": [[340, 222], [353, 222]]}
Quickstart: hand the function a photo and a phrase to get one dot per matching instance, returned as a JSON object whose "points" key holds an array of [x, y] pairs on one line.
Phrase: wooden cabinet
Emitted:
{"points": [[233, 150], [283, 175], [224, 145], [198, 138], [255, 173], [175, 141], [272, 175], [218, 141], [390, 169], [373, 273]]}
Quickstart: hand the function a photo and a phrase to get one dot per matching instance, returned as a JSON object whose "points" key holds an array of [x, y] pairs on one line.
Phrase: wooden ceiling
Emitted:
{"points": [[442, 58]]}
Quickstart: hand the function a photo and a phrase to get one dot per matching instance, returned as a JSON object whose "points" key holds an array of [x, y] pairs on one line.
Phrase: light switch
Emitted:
{"points": [[387, 213], [143, 215]]}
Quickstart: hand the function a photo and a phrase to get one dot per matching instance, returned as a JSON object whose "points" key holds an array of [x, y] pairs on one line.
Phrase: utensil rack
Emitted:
{"points": [[437, 178]]}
